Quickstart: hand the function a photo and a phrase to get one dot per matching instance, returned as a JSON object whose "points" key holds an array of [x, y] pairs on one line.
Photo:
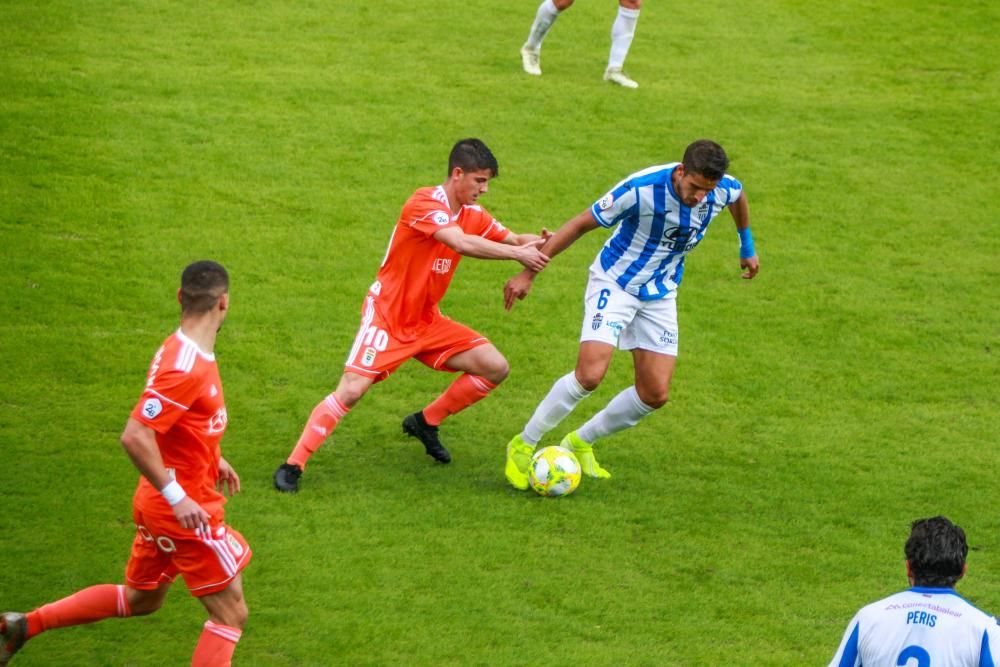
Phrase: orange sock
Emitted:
{"points": [[86, 606], [462, 393], [322, 421], [215, 646]]}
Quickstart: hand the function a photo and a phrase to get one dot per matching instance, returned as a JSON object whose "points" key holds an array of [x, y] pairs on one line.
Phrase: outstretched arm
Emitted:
{"points": [[518, 287], [476, 246], [740, 211]]}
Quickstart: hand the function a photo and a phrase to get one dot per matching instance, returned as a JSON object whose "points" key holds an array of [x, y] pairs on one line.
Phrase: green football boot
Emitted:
{"points": [[518, 462], [585, 454]]}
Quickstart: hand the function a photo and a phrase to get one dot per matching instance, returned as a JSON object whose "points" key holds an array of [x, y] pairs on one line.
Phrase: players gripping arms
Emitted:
{"points": [[172, 436], [400, 318], [928, 624], [661, 214]]}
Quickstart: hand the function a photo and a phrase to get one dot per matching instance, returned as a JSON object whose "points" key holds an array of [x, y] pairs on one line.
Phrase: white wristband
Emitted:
{"points": [[173, 492]]}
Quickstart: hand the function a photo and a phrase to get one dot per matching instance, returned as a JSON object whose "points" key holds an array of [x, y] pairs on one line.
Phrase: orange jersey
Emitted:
{"points": [[183, 403], [418, 268]]}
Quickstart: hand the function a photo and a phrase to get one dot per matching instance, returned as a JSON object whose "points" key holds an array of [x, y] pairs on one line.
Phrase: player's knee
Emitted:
{"points": [[498, 371], [655, 397], [562, 4], [630, 4]]}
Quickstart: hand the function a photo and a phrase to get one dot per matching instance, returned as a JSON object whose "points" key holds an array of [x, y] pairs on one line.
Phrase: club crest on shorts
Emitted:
{"points": [[369, 357], [596, 323]]}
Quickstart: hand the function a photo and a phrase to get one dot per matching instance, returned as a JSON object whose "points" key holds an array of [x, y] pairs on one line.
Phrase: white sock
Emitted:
{"points": [[624, 410], [622, 32], [565, 394], [544, 18]]}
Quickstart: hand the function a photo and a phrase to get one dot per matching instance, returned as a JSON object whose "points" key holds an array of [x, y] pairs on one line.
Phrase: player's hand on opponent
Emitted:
{"points": [[191, 515], [752, 265], [531, 257], [517, 288], [229, 481], [524, 239]]}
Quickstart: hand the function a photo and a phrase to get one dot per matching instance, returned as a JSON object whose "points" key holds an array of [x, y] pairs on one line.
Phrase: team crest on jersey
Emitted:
{"points": [[595, 324], [441, 218], [152, 408], [369, 357], [606, 201], [441, 265]]}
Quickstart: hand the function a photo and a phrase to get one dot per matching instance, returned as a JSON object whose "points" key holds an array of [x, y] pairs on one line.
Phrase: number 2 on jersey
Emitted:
{"points": [[914, 653]]}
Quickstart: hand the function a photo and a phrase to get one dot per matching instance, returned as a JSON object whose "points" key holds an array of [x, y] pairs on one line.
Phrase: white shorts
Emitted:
{"points": [[612, 315]]}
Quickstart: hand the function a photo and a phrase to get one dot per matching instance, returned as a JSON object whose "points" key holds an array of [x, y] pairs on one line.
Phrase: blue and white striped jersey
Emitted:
{"points": [[920, 627], [645, 255]]}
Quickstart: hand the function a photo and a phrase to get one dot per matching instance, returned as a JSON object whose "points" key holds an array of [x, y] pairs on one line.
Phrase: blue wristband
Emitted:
{"points": [[746, 243]]}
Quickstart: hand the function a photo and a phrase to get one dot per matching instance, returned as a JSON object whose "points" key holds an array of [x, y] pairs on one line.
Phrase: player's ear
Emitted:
{"points": [[224, 302], [909, 572], [456, 173], [965, 568], [179, 295]]}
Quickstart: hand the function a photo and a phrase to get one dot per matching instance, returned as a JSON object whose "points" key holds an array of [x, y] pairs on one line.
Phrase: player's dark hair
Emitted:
{"points": [[706, 158], [936, 550], [472, 155], [202, 285]]}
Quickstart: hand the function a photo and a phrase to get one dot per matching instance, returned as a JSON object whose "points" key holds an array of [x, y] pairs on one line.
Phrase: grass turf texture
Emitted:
{"points": [[815, 412]]}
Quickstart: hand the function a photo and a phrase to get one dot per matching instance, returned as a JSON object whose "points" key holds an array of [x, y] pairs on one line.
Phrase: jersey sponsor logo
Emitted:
{"points": [[217, 424], [617, 327], [679, 240], [595, 324], [605, 202], [441, 218], [152, 408], [441, 265]]}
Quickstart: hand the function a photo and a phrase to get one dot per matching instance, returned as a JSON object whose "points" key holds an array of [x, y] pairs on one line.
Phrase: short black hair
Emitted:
{"points": [[707, 158], [472, 155], [936, 550], [202, 285]]}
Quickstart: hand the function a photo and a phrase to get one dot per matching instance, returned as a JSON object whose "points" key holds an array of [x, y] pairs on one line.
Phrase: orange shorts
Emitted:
{"points": [[162, 549], [376, 353]]}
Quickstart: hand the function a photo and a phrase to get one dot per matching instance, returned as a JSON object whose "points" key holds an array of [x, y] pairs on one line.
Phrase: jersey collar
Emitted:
{"points": [[187, 340]]}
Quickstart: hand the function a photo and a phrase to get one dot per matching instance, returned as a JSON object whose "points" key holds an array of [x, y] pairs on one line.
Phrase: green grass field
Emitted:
{"points": [[815, 411]]}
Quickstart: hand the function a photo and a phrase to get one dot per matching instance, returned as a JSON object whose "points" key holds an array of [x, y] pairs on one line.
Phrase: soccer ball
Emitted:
{"points": [[554, 471]]}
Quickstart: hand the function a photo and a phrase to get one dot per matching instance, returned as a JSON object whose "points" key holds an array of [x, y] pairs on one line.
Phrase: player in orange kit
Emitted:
{"points": [[400, 318], [172, 437]]}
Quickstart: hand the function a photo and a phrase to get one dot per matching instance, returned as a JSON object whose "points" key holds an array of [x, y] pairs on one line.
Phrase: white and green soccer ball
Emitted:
{"points": [[555, 471]]}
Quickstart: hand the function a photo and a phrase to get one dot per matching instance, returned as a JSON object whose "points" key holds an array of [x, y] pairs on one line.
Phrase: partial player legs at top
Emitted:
{"points": [[622, 33]]}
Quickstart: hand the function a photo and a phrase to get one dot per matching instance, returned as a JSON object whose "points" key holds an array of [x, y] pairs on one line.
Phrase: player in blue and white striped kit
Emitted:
{"points": [[929, 625], [661, 214]]}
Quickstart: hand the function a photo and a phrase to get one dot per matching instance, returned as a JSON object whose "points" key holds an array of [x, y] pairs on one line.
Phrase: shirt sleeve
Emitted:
{"points": [[990, 649], [847, 655], [429, 217], [610, 209], [489, 227], [731, 188], [167, 396]]}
